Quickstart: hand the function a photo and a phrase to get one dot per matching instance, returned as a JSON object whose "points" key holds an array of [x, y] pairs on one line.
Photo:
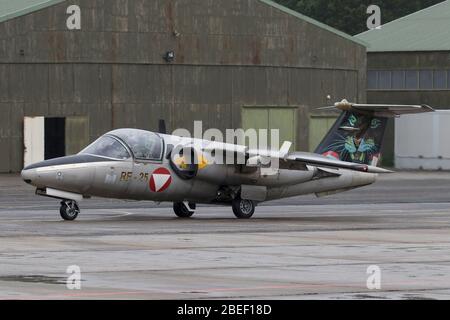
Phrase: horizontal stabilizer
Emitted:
{"points": [[380, 110]]}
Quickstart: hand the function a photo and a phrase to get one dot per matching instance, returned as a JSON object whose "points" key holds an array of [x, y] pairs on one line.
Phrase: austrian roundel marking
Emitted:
{"points": [[160, 180]]}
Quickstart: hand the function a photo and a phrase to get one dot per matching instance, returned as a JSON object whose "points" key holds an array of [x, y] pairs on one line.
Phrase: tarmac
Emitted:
{"points": [[298, 248]]}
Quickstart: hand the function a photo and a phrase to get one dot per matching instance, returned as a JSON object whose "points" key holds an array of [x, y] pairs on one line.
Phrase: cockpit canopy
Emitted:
{"points": [[144, 145], [108, 147]]}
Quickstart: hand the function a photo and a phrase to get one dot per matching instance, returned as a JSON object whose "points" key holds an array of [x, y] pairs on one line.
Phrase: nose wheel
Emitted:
{"points": [[69, 210]]}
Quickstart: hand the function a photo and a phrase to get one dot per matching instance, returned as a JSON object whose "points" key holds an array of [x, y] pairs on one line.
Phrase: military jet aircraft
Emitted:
{"points": [[142, 165]]}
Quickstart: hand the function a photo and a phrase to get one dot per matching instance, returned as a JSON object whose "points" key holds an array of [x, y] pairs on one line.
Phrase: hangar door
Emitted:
{"points": [[281, 118], [53, 137], [319, 125], [33, 138]]}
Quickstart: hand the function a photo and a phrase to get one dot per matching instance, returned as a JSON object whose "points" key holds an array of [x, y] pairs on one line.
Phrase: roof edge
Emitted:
{"points": [[401, 18], [410, 51], [48, 3], [30, 9], [314, 22]]}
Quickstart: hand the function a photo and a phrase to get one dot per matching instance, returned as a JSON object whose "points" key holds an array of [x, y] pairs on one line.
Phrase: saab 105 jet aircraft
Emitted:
{"points": [[140, 165]]}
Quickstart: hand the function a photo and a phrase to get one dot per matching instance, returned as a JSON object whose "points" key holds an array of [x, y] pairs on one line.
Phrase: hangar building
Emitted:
{"points": [[229, 63], [409, 63]]}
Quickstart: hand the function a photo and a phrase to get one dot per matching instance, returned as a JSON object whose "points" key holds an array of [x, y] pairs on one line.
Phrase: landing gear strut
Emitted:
{"points": [[183, 210], [243, 209], [69, 210]]}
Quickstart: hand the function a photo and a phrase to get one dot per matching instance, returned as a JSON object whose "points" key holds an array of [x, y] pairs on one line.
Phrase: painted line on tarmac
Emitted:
{"points": [[122, 213]]}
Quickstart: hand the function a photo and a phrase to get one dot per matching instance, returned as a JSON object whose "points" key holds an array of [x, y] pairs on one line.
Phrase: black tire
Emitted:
{"points": [[243, 209], [182, 211], [69, 210]]}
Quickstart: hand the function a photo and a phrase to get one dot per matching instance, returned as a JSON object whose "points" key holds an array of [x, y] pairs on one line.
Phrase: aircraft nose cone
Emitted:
{"points": [[28, 175]]}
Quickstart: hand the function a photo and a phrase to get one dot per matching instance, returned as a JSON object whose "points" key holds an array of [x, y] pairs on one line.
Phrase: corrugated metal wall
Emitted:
{"points": [[229, 53]]}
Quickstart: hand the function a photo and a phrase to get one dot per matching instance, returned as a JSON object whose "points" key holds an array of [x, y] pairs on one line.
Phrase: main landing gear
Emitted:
{"points": [[183, 210], [243, 209], [69, 210]]}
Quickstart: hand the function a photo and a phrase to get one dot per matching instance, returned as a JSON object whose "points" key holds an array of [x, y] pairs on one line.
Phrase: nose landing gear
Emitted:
{"points": [[69, 210]]}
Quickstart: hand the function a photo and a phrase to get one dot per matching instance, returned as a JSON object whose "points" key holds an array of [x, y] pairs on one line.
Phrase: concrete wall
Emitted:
{"points": [[229, 53], [438, 99]]}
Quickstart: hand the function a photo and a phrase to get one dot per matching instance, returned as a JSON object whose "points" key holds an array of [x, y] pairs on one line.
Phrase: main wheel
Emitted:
{"points": [[69, 210], [181, 210], [243, 209]]}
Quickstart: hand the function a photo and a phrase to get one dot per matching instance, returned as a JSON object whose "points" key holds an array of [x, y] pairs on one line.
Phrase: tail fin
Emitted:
{"points": [[357, 135]]}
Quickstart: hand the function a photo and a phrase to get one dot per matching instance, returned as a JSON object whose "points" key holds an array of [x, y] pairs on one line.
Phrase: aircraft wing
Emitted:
{"points": [[257, 158], [322, 161]]}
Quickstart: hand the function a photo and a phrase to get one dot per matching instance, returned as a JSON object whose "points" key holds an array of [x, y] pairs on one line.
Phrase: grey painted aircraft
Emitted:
{"points": [[141, 165]]}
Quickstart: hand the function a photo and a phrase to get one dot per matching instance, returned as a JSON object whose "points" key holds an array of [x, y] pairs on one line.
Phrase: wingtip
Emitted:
{"points": [[428, 108]]}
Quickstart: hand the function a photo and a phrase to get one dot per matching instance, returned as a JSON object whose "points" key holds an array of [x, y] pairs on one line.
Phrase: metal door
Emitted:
{"points": [[34, 140], [282, 118]]}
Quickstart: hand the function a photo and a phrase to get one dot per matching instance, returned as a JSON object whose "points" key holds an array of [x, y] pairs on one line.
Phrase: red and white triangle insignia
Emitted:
{"points": [[160, 180]]}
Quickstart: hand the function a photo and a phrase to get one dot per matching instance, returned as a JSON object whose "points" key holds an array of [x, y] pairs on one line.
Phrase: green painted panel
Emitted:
{"points": [[283, 119], [255, 118], [77, 134], [318, 128]]}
